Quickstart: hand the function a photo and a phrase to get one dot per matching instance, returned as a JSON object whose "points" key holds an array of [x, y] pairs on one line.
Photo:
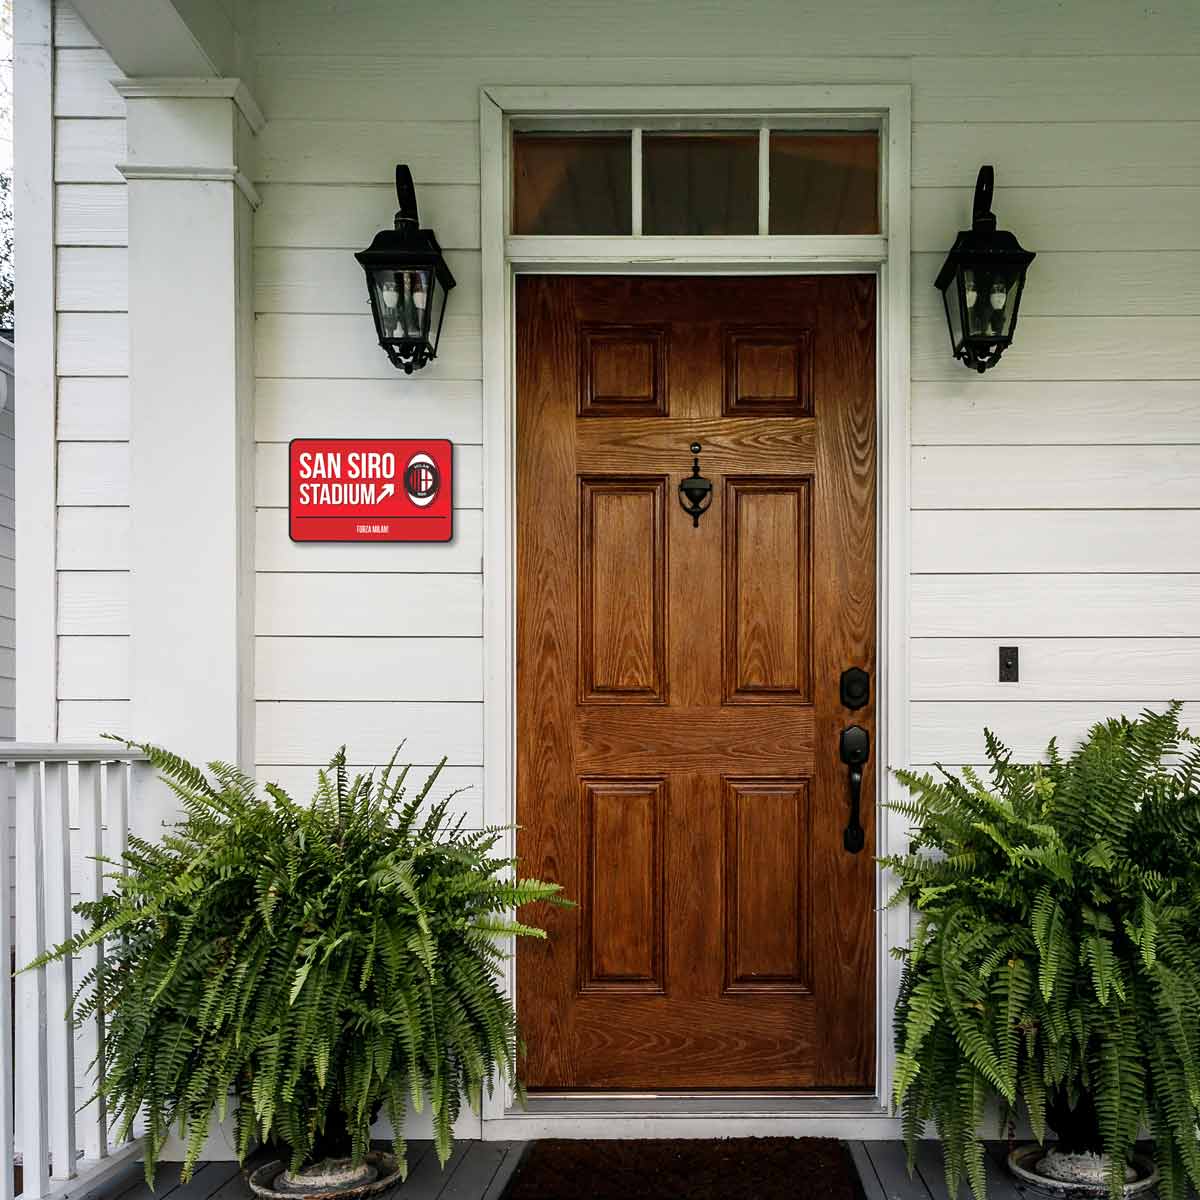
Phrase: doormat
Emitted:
{"points": [[686, 1169]]}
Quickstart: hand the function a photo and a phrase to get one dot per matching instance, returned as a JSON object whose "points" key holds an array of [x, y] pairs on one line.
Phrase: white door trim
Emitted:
{"points": [[889, 256]]}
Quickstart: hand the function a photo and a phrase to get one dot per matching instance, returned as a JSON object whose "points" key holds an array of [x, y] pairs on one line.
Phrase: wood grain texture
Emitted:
{"points": [[768, 372], [767, 878], [622, 631], [622, 944], [767, 618], [746, 992]]}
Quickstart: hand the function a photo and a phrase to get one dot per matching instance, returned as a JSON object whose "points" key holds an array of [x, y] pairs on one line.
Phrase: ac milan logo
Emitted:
{"points": [[421, 479]]}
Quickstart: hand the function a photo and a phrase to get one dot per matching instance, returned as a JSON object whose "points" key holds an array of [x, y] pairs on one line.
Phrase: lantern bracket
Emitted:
{"points": [[983, 220], [406, 198]]}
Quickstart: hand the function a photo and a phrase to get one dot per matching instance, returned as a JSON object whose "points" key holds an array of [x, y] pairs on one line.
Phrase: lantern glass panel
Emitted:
{"points": [[990, 295], [952, 295], [403, 300]]}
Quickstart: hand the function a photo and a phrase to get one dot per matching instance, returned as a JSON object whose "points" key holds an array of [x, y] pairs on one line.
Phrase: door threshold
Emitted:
{"points": [[701, 1104]]}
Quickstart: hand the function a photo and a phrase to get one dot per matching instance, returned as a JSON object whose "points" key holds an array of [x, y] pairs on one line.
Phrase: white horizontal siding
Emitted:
{"points": [[93, 602], [1054, 498], [953, 732], [369, 605], [1029, 606], [347, 216], [356, 668], [91, 296], [1056, 477], [1046, 348], [996, 410], [735, 28], [1121, 283], [306, 346], [330, 281], [289, 408], [93, 539], [1004, 541], [1065, 219], [93, 409], [1058, 669], [371, 731]]}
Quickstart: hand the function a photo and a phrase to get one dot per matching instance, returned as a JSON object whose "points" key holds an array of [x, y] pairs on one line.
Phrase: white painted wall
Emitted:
{"points": [[1053, 499], [8, 581], [91, 287]]}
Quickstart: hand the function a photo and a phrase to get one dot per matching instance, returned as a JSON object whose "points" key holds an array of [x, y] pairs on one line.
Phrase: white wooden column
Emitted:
{"points": [[191, 433]]}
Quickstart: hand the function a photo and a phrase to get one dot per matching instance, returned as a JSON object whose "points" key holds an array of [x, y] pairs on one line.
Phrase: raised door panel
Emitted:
{"points": [[767, 648], [767, 876], [768, 372], [621, 947], [623, 371], [622, 629]]}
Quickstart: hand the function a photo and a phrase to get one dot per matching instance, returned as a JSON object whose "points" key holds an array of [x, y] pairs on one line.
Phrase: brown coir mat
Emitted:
{"points": [[686, 1169]]}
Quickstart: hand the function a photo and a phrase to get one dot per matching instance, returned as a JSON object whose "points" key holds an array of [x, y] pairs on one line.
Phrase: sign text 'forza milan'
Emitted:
{"points": [[370, 490]]}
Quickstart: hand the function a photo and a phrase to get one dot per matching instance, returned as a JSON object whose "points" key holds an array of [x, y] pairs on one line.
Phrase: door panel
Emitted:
{"points": [[677, 685]]}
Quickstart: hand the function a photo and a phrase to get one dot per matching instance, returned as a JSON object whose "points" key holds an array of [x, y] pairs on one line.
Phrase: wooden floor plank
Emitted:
{"points": [[426, 1180], [509, 1164], [476, 1171], [872, 1188], [931, 1166], [129, 1178], [891, 1166]]}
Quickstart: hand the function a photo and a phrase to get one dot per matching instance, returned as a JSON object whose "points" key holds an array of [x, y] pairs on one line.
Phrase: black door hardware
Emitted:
{"points": [[856, 688], [695, 492], [856, 749]]}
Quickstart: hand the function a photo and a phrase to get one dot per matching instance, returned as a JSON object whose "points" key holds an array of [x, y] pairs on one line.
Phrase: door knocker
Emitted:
{"points": [[695, 492]]}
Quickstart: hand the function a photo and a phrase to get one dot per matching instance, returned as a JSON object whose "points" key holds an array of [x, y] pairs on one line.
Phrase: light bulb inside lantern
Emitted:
{"points": [[969, 289], [419, 295], [999, 295]]}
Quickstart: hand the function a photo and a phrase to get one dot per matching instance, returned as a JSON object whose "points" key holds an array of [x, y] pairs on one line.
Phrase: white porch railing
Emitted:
{"points": [[66, 805]]}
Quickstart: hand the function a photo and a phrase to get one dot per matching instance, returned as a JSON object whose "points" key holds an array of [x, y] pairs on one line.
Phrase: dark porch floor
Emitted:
{"points": [[481, 1171]]}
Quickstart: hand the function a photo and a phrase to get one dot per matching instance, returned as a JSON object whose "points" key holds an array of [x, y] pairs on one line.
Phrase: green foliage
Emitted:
{"points": [[1057, 946], [315, 963]]}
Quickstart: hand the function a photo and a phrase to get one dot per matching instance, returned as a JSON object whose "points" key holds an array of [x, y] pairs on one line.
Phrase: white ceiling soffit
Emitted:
{"points": [[193, 38]]}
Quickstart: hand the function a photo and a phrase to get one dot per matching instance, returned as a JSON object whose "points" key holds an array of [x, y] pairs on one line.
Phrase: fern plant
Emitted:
{"points": [[314, 963], [1056, 955]]}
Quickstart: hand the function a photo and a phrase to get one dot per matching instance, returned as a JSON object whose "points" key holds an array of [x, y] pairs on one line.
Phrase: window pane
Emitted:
{"points": [[824, 183], [699, 183], [572, 183]]}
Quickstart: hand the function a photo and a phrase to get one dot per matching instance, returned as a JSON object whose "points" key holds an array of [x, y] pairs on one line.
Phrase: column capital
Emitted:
{"points": [[195, 88], [190, 128]]}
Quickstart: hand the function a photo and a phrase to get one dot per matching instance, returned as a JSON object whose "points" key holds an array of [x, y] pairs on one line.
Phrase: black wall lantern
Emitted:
{"points": [[407, 278], [981, 283]]}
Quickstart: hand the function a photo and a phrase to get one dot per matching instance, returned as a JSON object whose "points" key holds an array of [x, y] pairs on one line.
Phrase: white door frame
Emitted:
{"points": [[887, 256]]}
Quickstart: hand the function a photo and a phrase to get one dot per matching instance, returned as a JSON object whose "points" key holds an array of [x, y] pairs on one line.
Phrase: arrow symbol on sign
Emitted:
{"points": [[388, 489]]}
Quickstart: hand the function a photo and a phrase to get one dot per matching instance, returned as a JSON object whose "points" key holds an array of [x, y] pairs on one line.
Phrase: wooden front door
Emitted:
{"points": [[678, 703]]}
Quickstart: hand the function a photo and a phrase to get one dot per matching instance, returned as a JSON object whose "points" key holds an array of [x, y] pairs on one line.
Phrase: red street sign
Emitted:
{"points": [[370, 490]]}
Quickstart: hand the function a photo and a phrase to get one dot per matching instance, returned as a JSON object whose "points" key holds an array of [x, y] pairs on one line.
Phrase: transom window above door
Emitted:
{"points": [[644, 181]]}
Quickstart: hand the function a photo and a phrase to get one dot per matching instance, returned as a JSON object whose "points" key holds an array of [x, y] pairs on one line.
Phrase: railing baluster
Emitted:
{"points": [[31, 985], [59, 975], [7, 1108], [92, 1118]]}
